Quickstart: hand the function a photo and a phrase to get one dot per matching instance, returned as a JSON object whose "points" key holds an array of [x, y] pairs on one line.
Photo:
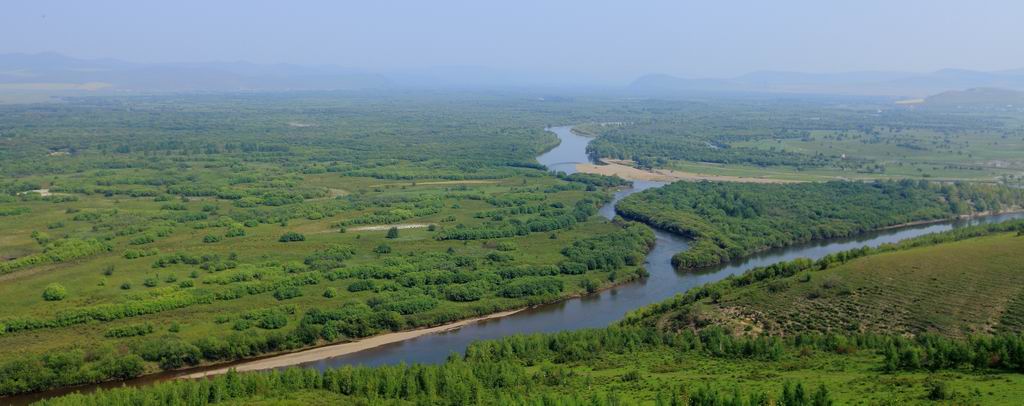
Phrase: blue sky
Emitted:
{"points": [[603, 40]]}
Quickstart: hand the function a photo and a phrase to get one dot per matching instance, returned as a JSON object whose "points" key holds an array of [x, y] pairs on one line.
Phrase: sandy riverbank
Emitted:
{"points": [[623, 170], [336, 350]]}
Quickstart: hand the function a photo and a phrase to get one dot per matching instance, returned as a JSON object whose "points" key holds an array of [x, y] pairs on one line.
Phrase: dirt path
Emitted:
{"points": [[388, 226], [443, 182], [42, 192], [620, 169], [336, 350]]}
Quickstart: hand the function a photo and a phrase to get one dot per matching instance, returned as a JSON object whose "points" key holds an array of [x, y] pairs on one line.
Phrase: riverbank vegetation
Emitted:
{"points": [[730, 220], [672, 353], [612, 366]]}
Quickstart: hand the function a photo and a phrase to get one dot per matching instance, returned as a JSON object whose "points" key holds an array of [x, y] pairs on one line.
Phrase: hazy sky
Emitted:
{"points": [[597, 39]]}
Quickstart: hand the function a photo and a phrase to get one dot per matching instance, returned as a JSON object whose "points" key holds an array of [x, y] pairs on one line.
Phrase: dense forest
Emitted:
{"points": [[730, 220]]}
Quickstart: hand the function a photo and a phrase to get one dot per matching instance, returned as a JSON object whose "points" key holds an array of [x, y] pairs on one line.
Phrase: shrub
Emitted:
{"points": [[329, 258], [54, 292], [939, 390], [531, 286], [170, 352], [133, 330], [506, 246], [361, 285], [291, 236], [210, 238], [272, 321], [330, 292], [287, 292]]}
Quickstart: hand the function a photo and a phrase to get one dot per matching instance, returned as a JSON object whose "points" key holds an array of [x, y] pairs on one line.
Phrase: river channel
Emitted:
{"points": [[603, 308], [591, 311]]}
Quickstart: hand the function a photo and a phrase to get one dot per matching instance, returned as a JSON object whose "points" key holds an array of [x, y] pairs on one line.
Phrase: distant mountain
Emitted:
{"points": [[56, 74], [50, 71], [876, 83], [982, 96], [53, 73]]}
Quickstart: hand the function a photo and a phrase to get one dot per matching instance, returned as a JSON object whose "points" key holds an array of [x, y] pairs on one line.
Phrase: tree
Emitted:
{"points": [[54, 292], [392, 233]]}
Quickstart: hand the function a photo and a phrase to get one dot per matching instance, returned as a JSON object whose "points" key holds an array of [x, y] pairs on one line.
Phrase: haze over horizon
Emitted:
{"points": [[616, 44]]}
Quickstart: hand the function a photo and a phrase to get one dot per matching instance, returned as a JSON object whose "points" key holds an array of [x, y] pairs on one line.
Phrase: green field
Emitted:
{"points": [[820, 142], [222, 229], [914, 153]]}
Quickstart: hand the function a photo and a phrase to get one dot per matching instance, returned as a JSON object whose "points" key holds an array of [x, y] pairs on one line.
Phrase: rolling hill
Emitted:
{"points": [[868, 83], [981, 96], [955, 289]]}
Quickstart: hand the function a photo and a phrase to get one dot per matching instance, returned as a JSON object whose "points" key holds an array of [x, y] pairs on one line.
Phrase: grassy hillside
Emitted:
{"points": [[966, 287], [956, 284]]}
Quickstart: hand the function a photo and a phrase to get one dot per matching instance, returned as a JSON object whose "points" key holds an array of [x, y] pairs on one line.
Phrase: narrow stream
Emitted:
{"points": [[597, 310]]}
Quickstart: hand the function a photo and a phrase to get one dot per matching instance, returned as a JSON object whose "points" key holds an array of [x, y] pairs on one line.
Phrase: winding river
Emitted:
{"points": [[599, 309], [606, 307]]}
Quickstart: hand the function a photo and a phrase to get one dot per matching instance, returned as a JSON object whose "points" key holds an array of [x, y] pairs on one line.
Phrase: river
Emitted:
{"points": [[602, 308]]}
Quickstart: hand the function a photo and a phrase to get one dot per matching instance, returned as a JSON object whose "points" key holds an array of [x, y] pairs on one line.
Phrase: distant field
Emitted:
{"points": [[817, 143], [972, 155]]}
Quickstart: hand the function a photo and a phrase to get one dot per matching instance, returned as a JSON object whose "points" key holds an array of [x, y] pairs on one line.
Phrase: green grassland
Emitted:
{"points": [[157, 233], [916, 153]]}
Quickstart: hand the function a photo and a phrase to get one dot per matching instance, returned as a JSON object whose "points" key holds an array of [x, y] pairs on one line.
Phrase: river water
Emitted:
{"points": [[606, 307], [596, 310]]}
